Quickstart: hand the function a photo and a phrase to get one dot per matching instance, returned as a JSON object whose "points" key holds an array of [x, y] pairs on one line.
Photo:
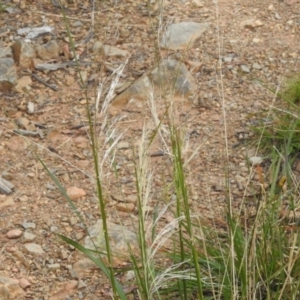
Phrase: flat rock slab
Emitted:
{"points": [[182, 35]]}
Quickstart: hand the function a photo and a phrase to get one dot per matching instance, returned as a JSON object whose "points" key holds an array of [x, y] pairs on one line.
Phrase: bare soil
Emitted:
{"points": [[273, 45]]}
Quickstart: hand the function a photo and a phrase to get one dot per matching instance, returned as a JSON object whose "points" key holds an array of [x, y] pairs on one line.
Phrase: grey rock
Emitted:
{"points": [[77, 24], [97, 47], [171, 73], [53, 228], [28, 237], [182, 35], [119, 237], [34, 248], [114, 51], [53, 266], [228, 59], [256, 66], [255, 160], [33, 32], [245, 69], [48, 51], [8, 74], [23, 54], [170, 76], [28, 225]]}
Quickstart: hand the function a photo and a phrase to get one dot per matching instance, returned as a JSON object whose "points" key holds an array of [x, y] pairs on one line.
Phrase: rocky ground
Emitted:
{"points": [[238, 51]]}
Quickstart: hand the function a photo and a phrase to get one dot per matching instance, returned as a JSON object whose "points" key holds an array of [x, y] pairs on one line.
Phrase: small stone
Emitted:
{"points": [[24, 283], [124, 33], [77, 24], [8, 74], [258, 23], [97, 47], [256, 40], [122, 145], [14, 233], [81, 284], [114, 51], [245, 69], [23, 54], [249, 23], [198, 3], [182, 35], [28, 237], [53, 228], [23, 198], [53, 266], [277, 17], [28, 225], [228, 59], [70, 80], [128, 276], [23, 84], [73, 220], [75, 193], [131, 199], [129, 207], [256, 160], [48, 51], [64, 254], [79, 235], [34, 248], [256, 66]]}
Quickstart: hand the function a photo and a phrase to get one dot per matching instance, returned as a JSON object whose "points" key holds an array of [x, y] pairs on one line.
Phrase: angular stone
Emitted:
{"points": [[114, 51], [23, 54], [8, 74], [170, 76], [48, 51], [256, 66], [256, 160], [28, 237], [245, 69], [120, 238], [173, 74], [34, 248], [182, 35]]}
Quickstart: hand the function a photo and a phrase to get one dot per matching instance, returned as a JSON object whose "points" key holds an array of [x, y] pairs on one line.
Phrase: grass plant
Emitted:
{"points": [[246, 258]]}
